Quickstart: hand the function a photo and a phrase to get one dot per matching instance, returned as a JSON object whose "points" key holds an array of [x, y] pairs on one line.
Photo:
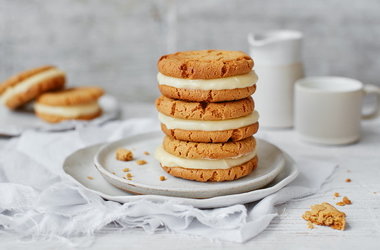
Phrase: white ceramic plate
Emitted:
{"points": [[80, 165], [13, 123], [146, 178]]}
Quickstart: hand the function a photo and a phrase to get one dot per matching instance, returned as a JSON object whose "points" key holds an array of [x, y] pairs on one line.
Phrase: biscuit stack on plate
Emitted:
{"points": [[207, 114]]}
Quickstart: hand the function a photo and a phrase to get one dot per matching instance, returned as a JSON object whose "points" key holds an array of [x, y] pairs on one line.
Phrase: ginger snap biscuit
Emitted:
{"points": [[326, 215], [196, 150], [210, 131], [205, 64], [204, 110], [206, 75], [199, 95], [79, 103], [206, 169], [29, 84], [211, 136]]}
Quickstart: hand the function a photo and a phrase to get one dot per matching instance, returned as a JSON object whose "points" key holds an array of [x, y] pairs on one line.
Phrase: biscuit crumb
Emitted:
{"points": [[346, 200], [128, 177], [90, 177], [348, 180], [336, 194], [146, 153], [310, 225], [113, 173], [141, 162], [162, 178], [326, 215], [123, 154], [126, 170]]}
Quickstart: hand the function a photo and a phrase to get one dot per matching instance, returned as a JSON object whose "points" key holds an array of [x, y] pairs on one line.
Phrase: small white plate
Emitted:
{"points": [[80, 166], [13, 123]]}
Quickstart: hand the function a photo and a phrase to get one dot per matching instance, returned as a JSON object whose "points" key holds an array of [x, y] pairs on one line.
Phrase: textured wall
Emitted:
{"points": [[116, 43]]}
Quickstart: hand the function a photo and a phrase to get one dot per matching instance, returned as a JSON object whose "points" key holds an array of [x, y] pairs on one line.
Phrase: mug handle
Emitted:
{"points": [[368, 90]]}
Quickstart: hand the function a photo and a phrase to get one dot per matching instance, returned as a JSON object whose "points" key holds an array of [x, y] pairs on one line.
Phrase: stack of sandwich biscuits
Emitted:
{"points": [[207, 114]]}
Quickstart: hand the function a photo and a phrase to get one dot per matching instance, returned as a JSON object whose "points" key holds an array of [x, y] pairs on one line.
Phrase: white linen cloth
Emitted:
{"points": [[36, 200]]}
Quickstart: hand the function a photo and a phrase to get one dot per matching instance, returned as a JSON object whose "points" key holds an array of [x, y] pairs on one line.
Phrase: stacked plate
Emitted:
{"points": [[97, 169]]}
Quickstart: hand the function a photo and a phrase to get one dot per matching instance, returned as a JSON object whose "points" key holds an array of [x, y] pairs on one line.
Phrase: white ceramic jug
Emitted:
{"points": [[278, 63]]}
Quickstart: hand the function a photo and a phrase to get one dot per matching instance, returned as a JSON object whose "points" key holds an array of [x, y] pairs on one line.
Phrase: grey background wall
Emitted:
{"points": [[115, 43]]}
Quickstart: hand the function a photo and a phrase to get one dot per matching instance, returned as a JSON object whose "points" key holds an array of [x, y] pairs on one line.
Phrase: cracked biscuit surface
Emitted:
{"points": [[214, 175], [199, 95], [211, 136], [205, 64], [203, 110], [196, 150]]}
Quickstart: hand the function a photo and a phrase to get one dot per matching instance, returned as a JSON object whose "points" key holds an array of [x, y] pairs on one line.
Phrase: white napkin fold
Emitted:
{"points": [[37, 201]]}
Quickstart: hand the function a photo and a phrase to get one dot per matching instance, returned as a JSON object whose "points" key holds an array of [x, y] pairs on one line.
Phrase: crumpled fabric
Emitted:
{"points": [[38, 201]]}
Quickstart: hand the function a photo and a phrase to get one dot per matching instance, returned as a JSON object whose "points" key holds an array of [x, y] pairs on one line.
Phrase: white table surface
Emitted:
{"points": [[360, 162]]}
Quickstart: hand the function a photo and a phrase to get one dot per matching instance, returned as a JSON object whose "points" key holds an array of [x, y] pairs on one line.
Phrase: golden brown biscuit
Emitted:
{"points": [[199, 95], [196, 150], [214, 175], [75, 103], [211, 136], [205, 64], [14, 80], [71, 96], [203, 110], [56, 118], [27, 85]]}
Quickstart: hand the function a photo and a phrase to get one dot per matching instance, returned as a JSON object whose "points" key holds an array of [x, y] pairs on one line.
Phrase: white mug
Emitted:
{"points": [[328, 110]]}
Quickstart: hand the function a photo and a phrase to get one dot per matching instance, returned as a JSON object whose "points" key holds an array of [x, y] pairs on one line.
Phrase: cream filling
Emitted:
{"points": [[233, 82], [176, 123], [68, 111], [24, 85], [169, 160]]}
